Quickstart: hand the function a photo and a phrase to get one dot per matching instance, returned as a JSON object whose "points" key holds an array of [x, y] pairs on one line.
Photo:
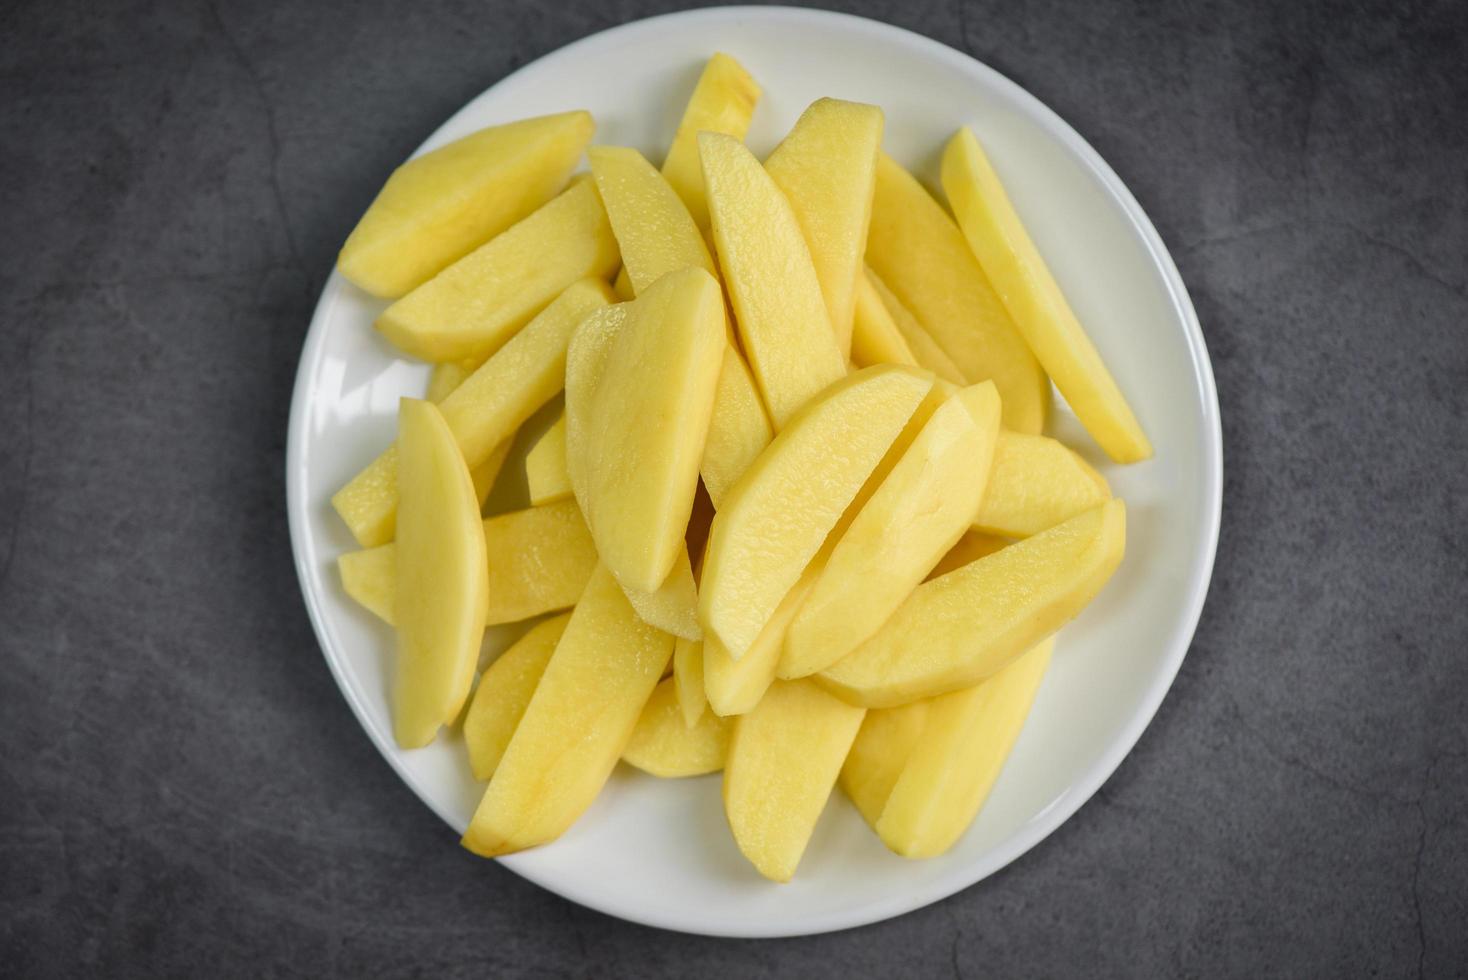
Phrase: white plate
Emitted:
{"points": [[659, 852]]}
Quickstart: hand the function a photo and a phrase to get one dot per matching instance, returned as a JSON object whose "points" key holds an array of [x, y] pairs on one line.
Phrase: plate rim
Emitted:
{"points": [[1200, 572]]}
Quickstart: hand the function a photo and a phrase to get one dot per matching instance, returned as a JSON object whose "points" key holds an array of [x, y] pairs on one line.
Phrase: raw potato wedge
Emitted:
{"points": [[914, 334], [778, 309], [439, 207], [484, 410], [545, 465], [875, 338], [723, 101], [657, 236], [971, 547], [538, 562], [673, 606], [1034, 299], [964, 627], [470, 309], [635, 429], [503, 693], [440, 559], [655, 233], [921, 255], [879, 755], [955, 761], [688, 680], [739, 429], [826, 167], [575, 728], [1035, 484], [663, 745], [784, 757], [921, 509], [445, 378], [777, 516], [734, 687]]}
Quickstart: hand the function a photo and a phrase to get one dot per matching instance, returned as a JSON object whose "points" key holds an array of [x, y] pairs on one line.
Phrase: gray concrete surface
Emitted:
{"points": [[184, 793]]}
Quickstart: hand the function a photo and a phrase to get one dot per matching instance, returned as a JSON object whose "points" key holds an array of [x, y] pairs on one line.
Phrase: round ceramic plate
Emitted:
{"points": [[659, 851]]}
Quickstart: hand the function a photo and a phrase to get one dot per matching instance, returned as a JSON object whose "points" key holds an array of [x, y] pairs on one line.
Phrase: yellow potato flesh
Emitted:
{"points": [[445, 378], [1034, 300], [655, 233], [920, 511], [779, 312], [545, 465], [875, 338], [503, 693], [971, 547], [734, 687], [688, 679], [915, 335], [440, 609], [826, 167], [635, 430], [878, 755], [483, 411], [783, 760], [663, 745], [477, 304], [739, 428], [963, 627], [954, 763], [538, 561], [673, 606], [578, 722], [776, 517], [921, 255], [723, 101], [657, 236], [1036, 483], [437, 208]]}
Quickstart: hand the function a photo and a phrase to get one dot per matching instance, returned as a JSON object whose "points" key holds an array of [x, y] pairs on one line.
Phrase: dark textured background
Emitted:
{"points": [[183, 792]]}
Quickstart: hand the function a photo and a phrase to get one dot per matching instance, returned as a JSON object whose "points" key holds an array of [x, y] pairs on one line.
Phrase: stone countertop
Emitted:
{"points": [[183, 791]]}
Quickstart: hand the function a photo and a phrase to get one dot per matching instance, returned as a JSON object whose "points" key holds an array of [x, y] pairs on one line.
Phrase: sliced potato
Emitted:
{"points": [[1036, 483], [784, 757], [438, 207], [470, 309], [875, 338], [545, 465], [776, 517], [723, 101], [688, 679], [440, 609], [584, 709], [663, 745], [779, 312], [673, 606], [921, 509], [921, 255], [538, 562], [1034, 300], [914, 334], [484, 410], [635, 429], [655, 233], [971, 547], [826, 167], [954, 763], [504, 691], [879, 754], [964, 627]]}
